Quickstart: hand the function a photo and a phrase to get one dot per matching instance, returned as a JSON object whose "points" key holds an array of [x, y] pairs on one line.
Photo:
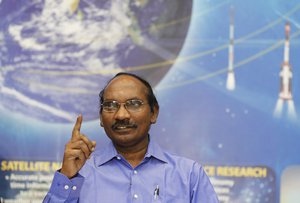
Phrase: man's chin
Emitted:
{"points": [[123, 141]]}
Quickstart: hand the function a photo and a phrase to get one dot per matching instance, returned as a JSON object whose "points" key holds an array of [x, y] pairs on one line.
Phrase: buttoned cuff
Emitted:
{"points": [[64, 188]]}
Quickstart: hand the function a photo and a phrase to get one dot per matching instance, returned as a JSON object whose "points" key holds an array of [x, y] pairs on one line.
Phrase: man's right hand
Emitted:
{"points": [[77, 151]]}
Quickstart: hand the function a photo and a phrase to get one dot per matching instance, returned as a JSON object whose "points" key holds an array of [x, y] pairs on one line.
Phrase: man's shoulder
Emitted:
{"points": [[181, 162]]}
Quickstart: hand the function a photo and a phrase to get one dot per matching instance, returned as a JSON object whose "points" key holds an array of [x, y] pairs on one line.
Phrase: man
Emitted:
{"points": [[132, 168]]}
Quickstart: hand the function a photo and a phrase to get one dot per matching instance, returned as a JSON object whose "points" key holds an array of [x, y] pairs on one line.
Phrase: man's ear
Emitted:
{"points": [[154, 114], [100, 116]]}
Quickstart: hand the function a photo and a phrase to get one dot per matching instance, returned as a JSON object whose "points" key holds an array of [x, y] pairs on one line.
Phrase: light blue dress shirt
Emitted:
{"points": [[108, 178]]}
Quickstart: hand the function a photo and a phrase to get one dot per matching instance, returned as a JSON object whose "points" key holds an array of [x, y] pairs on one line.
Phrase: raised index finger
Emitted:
{"points": [[77, 126]]}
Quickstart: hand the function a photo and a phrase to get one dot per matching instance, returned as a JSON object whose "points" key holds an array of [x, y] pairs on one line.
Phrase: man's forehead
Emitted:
{"points": [[123, 83], [126, 80]]}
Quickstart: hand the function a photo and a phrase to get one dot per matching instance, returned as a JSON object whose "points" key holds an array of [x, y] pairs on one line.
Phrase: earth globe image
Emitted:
{"points": [[55, 56]]}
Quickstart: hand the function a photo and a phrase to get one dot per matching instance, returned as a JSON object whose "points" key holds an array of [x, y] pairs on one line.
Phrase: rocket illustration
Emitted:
{"points": [[285, 93], [230, 83], [286, 72]]}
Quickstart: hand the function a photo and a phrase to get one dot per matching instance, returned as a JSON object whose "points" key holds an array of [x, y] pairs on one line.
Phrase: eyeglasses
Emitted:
{"points": [[132, 105]]}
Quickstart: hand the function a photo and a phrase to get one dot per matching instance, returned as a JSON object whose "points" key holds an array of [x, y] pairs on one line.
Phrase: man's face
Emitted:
{"points": [[127, 128]]}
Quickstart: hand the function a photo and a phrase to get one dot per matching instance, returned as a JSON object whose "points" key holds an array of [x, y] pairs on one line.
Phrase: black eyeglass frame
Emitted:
{"points": [[131, 105]]}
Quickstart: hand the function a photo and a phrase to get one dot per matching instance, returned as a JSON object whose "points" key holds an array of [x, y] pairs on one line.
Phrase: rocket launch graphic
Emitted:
{"points": [[230, 83], [285, 93]]}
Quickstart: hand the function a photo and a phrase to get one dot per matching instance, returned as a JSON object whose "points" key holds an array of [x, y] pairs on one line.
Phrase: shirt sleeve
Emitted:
{"points": [[203, 191], [64, 189]]}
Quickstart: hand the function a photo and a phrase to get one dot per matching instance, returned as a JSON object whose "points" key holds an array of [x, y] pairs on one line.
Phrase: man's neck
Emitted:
{"points": [[134, 155]]}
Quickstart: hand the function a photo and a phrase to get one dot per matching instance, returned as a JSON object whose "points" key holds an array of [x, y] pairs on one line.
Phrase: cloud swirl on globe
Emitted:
{"points": [[55, 55]]}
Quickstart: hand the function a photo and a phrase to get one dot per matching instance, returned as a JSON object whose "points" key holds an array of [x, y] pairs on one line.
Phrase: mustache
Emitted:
{"points": [[123, 123]]}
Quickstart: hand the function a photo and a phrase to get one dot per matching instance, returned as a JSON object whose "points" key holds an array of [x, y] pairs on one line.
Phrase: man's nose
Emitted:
{"points": [[122, 113]]}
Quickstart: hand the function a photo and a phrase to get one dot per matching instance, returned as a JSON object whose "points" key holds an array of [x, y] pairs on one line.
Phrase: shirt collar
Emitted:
{"points": [[154, 150], [105, 154], [109, 152]]}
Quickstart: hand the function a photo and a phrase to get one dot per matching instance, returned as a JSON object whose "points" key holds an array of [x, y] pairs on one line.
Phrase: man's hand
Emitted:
{"points": [[77, 151]]}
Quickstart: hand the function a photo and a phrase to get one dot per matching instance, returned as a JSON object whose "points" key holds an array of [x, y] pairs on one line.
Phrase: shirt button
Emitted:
{"points": [[74, 188], [135, 196], [66, 187], [135, 172], [119, 158]]}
